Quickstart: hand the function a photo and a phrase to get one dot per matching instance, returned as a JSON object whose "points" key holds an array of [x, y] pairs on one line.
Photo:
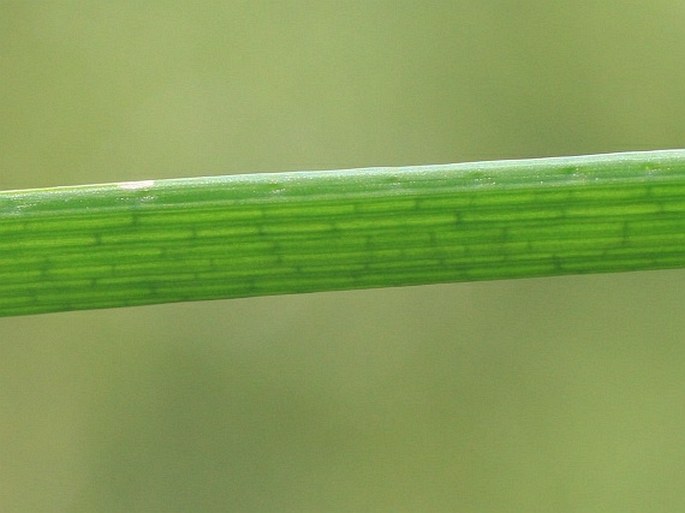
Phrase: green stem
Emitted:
{"points": [[97, 246]]}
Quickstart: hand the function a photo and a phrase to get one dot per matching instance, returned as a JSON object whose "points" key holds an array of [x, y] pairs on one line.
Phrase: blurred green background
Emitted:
{"points": [[564, 394]]}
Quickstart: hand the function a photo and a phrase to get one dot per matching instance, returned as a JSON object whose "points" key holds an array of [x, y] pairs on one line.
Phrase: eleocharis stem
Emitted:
{"points": [[97, 246]]}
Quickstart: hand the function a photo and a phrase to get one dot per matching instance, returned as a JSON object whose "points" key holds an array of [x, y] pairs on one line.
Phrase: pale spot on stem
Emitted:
{"points": [[134, 186]]}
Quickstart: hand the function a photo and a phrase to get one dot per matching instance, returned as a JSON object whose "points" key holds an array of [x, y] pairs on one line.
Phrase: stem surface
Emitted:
{"points": [[97, 246]]}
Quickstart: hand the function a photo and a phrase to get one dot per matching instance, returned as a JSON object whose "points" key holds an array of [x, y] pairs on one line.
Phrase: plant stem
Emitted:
{"points": [[97, 246]]}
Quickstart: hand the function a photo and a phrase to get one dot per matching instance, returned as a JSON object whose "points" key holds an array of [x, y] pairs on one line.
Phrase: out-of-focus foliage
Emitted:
{"points": [[560, 394]]}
